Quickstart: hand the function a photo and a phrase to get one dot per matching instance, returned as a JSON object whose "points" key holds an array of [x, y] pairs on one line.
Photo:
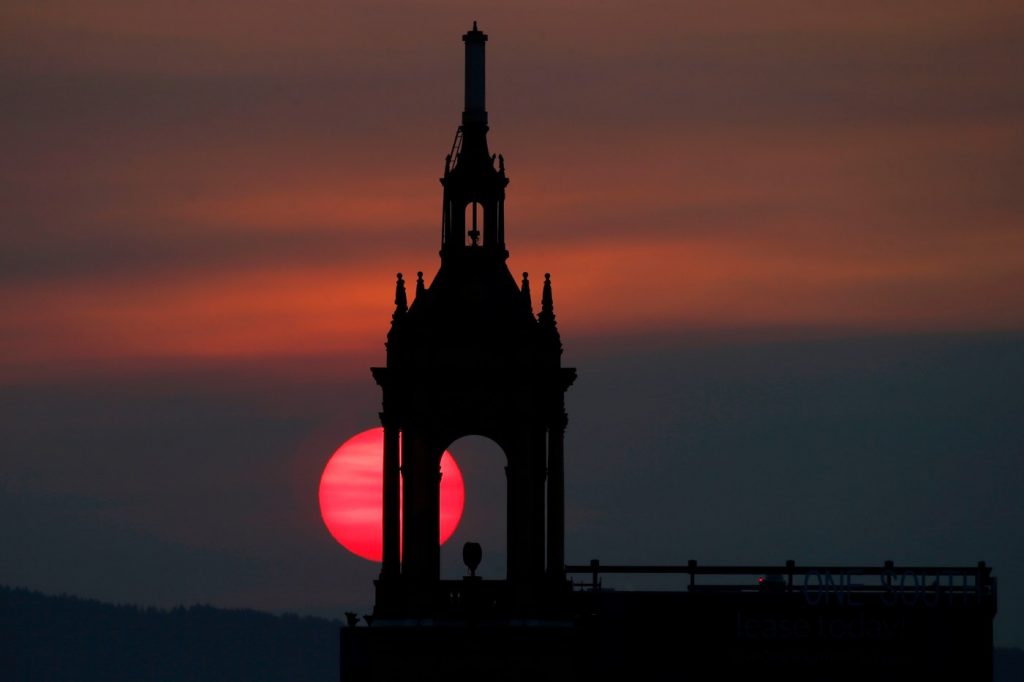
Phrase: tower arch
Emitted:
{"points": [[485, 514]]}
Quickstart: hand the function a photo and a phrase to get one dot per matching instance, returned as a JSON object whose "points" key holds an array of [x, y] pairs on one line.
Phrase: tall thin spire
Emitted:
{"points": [[475, 109]]}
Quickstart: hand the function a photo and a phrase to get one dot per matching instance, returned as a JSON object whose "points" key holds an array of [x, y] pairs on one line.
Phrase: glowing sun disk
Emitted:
{"points": [[351, 495]]}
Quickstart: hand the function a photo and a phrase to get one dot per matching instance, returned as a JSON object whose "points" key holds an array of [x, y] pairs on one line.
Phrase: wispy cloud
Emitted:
{"points": [[220, 178]]}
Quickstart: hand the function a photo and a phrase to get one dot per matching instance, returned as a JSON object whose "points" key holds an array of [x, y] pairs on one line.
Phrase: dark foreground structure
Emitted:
{"points": [[470, 357]]}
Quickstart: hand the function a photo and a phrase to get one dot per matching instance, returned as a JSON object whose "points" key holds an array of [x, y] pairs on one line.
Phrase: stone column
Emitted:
{"points": [[391, 561], [556, 498], [421, 478]]}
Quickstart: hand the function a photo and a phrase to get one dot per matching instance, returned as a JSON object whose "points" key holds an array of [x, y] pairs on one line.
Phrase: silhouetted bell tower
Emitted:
{"points": [[470, 357]]}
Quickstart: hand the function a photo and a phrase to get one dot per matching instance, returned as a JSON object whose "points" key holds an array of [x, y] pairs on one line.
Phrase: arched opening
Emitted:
{"points": [[484, 518], [474, 213]]}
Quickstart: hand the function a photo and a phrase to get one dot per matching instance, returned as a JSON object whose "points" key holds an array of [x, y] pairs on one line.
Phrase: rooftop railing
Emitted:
{"points": [[893, 584]]}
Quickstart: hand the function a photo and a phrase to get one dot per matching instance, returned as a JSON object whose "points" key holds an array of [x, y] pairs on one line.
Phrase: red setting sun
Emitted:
{"points": [[351, 494]]}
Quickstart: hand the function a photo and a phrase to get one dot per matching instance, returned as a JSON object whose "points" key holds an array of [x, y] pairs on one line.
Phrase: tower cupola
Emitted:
{"points": [[474, 180]]}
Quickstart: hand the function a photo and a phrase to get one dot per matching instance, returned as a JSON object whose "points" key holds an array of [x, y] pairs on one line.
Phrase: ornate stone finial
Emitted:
{"points": [[420, 286], [547, 301], [546, 317], [401, 302], [527, 298]]}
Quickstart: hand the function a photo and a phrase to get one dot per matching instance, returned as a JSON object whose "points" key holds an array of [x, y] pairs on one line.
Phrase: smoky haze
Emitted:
{"points": [[786, 254]]}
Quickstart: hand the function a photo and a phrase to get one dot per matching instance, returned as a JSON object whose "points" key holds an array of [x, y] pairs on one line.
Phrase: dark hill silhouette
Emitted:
{"points": [[66, 638]]}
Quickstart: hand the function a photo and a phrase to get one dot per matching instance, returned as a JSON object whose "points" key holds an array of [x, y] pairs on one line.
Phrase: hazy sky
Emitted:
{"points": [[786, 240]]}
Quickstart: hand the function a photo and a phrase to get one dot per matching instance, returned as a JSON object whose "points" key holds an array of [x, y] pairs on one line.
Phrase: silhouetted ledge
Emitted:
{"points": [[66, 638], [45, 638], [802, 631]]}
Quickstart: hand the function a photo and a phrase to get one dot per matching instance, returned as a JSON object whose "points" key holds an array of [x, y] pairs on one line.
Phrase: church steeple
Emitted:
{"points": [[468, 356], [474, 179]]}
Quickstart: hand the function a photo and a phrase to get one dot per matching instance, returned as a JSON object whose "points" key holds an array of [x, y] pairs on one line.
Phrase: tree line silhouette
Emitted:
{"points": [[67, 638]]}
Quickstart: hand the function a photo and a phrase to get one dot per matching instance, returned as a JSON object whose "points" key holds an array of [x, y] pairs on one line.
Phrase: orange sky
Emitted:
{"points": [[217, 180]]}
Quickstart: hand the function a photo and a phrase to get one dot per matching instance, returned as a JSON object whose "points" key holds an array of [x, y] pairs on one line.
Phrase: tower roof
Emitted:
{"points": [[473, 311]]}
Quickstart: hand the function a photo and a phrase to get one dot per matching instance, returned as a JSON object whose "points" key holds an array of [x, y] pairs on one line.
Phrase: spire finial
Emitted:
{"points": [[401, 302], [420, 286], [547, 302], [546, 317]]}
